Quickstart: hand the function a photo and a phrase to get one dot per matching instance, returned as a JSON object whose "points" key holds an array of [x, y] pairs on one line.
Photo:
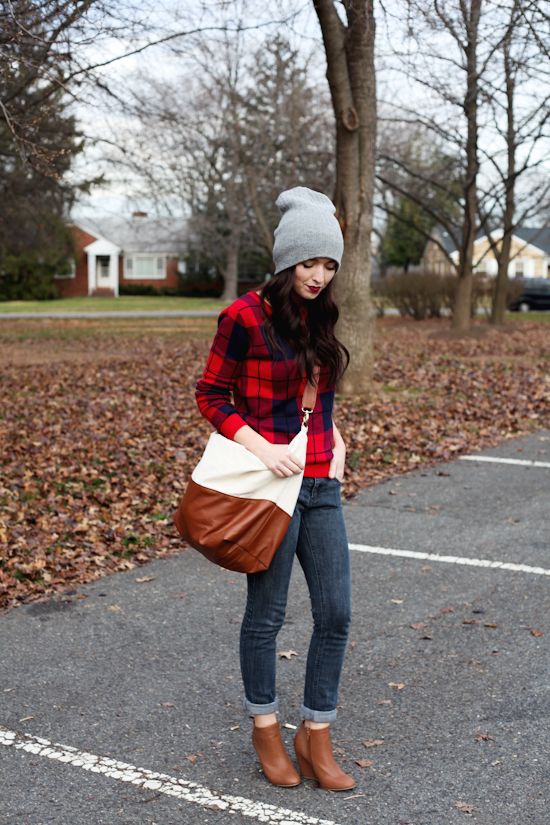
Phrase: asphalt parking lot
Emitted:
{"points": [[121, 703]]}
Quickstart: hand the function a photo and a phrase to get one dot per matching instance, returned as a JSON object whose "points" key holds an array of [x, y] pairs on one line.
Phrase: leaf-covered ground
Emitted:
{"points": [[99, 429]]}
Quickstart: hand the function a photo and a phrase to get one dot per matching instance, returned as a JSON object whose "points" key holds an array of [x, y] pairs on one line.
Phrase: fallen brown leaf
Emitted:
{"points": [[89, 486], [464, 807], [483, 737], [364, 763], [193, 757]]}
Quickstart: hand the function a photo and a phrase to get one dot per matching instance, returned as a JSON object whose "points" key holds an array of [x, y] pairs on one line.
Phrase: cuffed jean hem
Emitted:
{"points": [[317, 715], [260, 710]]}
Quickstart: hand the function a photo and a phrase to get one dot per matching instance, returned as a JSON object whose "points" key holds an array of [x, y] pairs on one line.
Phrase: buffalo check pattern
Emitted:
{"points": [[246, 382]]}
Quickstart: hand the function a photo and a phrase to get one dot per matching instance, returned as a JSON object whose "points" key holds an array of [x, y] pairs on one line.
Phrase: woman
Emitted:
{"points": [[268, 344]]}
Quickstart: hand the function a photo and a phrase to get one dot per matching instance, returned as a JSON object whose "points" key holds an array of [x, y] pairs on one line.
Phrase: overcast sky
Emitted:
{"points": [[100, 115]]}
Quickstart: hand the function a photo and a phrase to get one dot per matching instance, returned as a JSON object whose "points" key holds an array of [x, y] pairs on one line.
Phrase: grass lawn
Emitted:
{"points": [[543, 317], [162, 302], [125, 302]]}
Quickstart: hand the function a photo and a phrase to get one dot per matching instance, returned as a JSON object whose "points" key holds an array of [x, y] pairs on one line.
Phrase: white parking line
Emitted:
{"points": [[493, 459], [413, 554], [159, 782]]}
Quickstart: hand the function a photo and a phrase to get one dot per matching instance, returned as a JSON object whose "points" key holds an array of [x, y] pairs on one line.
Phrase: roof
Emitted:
{"points": [[139, 234], [445, 239], [538, 236], [102, 246]]}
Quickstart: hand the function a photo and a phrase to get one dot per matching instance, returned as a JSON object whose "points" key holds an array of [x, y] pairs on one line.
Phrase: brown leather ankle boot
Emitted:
{"points": [[313, 748], [274, 759]]}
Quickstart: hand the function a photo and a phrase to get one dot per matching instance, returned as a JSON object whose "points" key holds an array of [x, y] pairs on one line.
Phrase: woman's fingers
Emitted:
{"points": [[287, 466], [285, 470], [279, 460]]}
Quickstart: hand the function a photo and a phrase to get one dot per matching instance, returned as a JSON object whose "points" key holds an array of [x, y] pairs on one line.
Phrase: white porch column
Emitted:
{"points": [[113, 273], [92, 275]]}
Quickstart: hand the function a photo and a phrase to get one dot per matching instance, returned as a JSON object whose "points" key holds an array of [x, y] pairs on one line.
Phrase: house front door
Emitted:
{"points": [[103, 274]]}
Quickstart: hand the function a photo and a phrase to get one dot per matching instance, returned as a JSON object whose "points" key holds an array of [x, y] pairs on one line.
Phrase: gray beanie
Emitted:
{"points": [[308, 229]]}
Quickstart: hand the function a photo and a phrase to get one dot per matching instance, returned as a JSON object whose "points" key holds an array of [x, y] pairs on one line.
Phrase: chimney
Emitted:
{"points": [[139, 214]]}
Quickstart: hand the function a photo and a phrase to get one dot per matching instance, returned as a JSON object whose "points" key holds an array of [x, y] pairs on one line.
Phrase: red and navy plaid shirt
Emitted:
{"points": [[245, 382]]}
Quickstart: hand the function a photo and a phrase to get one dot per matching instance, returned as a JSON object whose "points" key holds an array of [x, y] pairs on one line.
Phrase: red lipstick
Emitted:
{"points": [[314, 289]]}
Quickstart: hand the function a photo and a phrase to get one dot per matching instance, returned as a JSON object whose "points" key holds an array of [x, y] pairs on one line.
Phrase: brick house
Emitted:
{"points": [[111, 252]]}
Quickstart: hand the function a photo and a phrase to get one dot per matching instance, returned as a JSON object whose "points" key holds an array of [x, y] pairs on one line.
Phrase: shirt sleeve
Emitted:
{"points": [[214, 389]]}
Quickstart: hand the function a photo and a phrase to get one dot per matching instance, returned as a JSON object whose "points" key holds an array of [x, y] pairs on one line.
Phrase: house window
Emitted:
{"points": [[141, 267], [70, 274]]}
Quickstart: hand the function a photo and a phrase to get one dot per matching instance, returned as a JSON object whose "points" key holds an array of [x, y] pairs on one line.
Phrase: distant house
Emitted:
{"points": [[111, 252], [530, 253]]}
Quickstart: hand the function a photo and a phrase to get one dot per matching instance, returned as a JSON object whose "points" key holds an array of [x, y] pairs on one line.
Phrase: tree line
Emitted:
{"points": [[237, 119]]}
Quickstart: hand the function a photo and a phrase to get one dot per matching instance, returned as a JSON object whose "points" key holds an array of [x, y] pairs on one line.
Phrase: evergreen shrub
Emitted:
{"points": [[25, 277]]}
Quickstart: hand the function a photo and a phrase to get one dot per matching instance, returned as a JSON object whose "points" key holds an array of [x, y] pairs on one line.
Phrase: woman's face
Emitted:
{"points": [[312, 276]]}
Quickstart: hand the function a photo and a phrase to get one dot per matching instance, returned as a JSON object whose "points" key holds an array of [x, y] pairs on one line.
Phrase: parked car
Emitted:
{"points": [[534, 295]]}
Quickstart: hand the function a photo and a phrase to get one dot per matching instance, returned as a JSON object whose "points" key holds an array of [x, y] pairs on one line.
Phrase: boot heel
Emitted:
{"points": [[305, 767]]}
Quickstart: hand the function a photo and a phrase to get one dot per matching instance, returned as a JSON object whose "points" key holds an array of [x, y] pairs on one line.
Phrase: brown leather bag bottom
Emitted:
{"points": [[236, 533]]}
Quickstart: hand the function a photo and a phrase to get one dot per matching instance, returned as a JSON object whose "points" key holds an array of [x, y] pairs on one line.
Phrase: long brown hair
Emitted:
{"points": [[312, 339]]}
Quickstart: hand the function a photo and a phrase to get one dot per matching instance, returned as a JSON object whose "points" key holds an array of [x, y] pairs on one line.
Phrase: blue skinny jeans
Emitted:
{"points": [[317, 536]]}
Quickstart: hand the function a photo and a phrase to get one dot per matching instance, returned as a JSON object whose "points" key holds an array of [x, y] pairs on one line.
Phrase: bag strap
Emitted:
{"points": [[309, 397]]}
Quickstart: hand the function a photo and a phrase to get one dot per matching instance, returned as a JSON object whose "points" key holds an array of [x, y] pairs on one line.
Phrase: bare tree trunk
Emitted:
{"points": [[231, 269], [498, 309], [463, 297], [351, 77]]}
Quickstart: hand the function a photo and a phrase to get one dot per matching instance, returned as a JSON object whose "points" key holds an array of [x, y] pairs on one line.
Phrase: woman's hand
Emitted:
{"points": [[276, 457], [338, 463]]}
